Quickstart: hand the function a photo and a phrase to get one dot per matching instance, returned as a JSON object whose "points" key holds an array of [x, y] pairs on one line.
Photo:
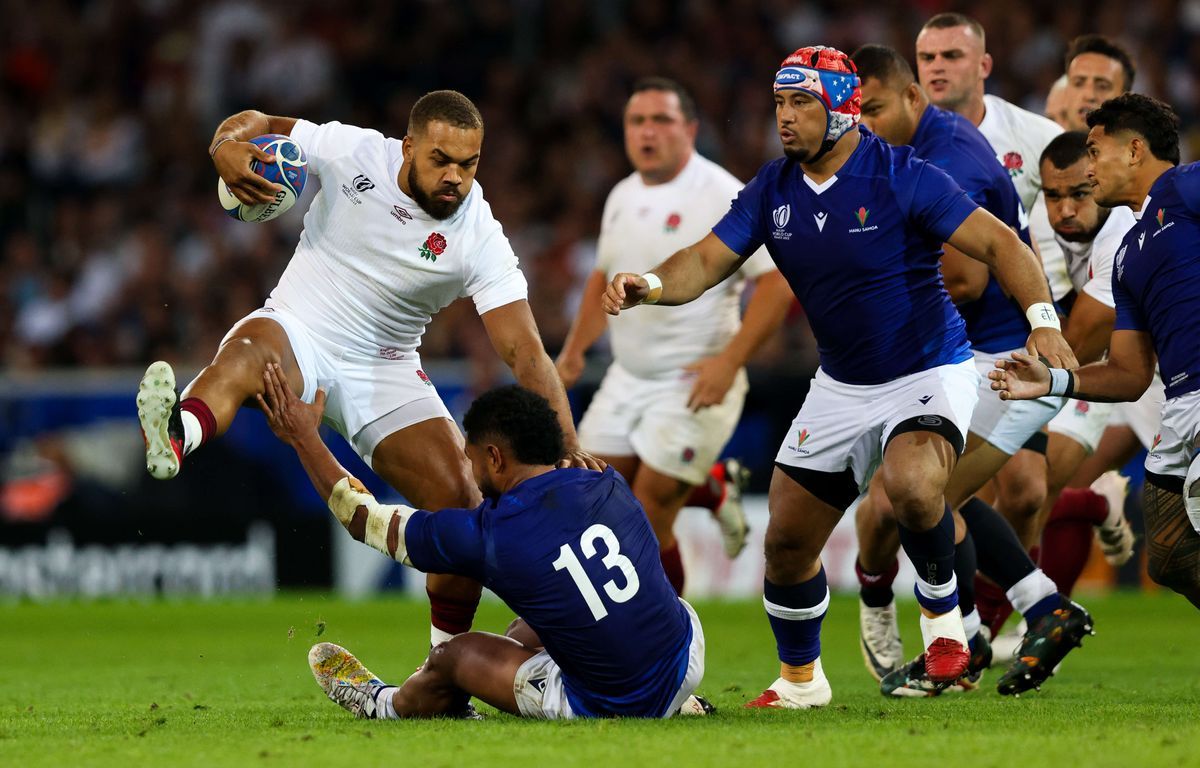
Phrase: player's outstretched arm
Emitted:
{"points": [[588, 325], [514, 335], [681, 278], [1123, 377], [984, 237], [295, 422], [232, 152]]}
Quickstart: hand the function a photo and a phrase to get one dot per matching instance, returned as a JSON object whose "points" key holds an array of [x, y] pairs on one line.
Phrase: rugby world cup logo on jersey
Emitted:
{"points": [[433, 246], [360, 184], [781, 216]]}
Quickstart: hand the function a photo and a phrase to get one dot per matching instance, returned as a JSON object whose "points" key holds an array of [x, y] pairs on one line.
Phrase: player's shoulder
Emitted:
{"points": [[1025, 125], [1185, 182], [625, 189], [708, 173]]}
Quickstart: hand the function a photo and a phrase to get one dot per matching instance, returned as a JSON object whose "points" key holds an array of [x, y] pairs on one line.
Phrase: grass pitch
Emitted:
{"points": [[165, 683]]}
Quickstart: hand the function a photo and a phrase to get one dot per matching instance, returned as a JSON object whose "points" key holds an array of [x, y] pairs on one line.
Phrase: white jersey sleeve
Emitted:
{"points": [[1104, 249], [606, 242], [326, 142], [492, 277]]}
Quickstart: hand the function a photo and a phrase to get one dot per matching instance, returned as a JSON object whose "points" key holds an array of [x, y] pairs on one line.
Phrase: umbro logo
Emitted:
{"points": [[401, 215], [924, 400], [539, 683], [362, 183], [820, 218]]}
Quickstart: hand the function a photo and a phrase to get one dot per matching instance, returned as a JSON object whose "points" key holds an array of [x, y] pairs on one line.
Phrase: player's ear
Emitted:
{"points": [[406, 148], [985, 65], [495, 457], [1135, 150]]}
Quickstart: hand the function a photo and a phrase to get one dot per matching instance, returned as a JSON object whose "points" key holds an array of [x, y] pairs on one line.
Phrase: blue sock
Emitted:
{"points": [[795, 614], [1042, 607], [932, 554]]}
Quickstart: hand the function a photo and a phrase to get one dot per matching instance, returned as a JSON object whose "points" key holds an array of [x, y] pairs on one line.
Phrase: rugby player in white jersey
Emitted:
{"points": [[398, 231], [1056, 103], [674, 391]]}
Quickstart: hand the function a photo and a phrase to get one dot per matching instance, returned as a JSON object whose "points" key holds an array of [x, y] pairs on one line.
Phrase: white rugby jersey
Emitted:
{"points": [[1018, 137], [1090, 264], [641, 226], [371, 267]]}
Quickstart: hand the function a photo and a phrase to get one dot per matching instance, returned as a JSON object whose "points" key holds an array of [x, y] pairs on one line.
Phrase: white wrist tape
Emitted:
{"points": [[349, 495], [655, 284], [1042, 315], [1061, 384]]}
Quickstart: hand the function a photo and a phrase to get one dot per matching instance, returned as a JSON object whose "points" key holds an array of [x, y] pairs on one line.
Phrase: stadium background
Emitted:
{"points": [[113, 251]]}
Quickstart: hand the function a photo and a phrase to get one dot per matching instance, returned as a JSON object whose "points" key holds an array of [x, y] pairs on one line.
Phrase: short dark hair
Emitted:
{"points": [[687, 104], [443, 106], [882, 63], [1065, 149], [1146, 116], [1105, 47], [952, 20], [519, 417]]}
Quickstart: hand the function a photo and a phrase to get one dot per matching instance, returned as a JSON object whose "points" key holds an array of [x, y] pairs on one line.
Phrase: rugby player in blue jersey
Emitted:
{"points": [[1133, 150], [856, 226], [897, 110], [601, 633]]}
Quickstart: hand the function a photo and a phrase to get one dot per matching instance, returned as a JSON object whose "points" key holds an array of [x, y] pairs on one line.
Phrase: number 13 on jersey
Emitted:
{"points": [[612, 559]]}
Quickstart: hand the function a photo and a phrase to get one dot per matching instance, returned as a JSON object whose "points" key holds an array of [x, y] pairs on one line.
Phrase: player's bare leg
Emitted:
{"points": [[476, 664], [175, 425], [795, 591], [662, 497], [425, 462], [1172, 544], [1021, 489], [916, 468]]}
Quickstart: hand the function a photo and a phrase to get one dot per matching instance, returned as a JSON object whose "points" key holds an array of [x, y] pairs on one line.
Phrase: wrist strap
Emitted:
{"points": [[1042, 315], [212, 151], [1062, 383], [655, 283]]}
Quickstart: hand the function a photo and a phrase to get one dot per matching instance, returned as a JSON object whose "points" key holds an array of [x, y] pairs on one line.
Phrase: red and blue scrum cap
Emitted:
{"points": [[828, 75]]}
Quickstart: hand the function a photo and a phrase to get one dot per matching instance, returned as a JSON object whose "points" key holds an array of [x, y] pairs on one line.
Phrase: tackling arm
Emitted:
{"points": [[1123, 377], [684, 276]]}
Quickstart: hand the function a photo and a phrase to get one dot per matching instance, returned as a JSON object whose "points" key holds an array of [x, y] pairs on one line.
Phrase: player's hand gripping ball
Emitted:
{"points": [[289, 171]]}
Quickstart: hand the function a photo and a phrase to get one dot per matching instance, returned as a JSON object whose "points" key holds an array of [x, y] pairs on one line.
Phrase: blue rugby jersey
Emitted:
{"points": [[995, 322], [572, 553], [1156, 277], [861, 253]]}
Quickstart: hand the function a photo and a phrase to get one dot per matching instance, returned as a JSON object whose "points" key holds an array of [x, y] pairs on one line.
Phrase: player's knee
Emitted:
{"points": [[915, 498], [245, 356], [443, 657], [1026, 499], [1164, 572], [787, 553]]}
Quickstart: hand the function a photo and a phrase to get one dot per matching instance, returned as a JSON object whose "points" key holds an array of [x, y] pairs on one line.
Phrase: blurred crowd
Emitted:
{"points": [[114, 251]]}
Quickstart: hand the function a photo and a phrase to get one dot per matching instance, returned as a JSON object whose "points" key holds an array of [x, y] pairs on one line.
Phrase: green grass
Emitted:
{"points": [[164, 683]]}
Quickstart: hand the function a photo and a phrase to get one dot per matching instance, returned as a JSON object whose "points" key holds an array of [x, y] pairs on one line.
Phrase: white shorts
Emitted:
{"points": [[649, 418], [1007, 424], [1144, 414], [1085, 422], [539, 689], [848, 425], [368, 397], [1178, 437]]}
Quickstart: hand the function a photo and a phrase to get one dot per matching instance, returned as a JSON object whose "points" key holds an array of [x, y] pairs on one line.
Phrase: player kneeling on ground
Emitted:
{"points": [[602, 633]]}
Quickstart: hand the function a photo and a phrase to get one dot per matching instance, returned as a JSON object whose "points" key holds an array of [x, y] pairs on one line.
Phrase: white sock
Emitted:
{"points": [[438, 636], [385, 709], [971, 624], [191, 431], [1030, 590]]}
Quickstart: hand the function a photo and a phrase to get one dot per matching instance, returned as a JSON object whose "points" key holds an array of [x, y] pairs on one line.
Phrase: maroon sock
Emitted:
{"points": [[1080, 504], [711, 492], [992, 604], [673, 564], [203, 414], [875, 589], [451, 615], [1066, 546]]}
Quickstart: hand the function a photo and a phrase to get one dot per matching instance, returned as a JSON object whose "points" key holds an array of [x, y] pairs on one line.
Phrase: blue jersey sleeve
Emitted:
{"points": [[931, 199], [741, 228], [1129, 316], [449, 541], [1187, 182]]}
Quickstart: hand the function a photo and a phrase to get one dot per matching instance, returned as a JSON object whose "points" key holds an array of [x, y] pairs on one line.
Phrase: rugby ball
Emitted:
{"points": [[290, 171]]}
